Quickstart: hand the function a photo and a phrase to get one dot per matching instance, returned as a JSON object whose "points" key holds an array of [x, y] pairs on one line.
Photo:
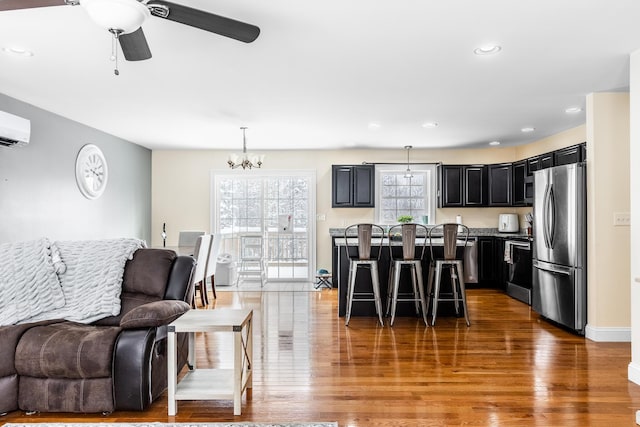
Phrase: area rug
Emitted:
{"points": [[245, 424]]}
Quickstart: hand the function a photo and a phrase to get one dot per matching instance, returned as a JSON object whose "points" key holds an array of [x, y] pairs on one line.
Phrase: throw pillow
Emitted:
{"points": [[153, 314]]}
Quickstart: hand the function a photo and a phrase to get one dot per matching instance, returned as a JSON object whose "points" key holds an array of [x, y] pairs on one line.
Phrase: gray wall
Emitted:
{"points": [[38, 192]]}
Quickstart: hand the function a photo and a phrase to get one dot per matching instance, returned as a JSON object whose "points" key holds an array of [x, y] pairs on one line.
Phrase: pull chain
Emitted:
{"points": [[114, 48]]}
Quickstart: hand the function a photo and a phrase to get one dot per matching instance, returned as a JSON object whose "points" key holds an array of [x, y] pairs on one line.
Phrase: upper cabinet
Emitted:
{"points": [[569, 155], [505, 184], [462, 185], [500, 185], [475, 185], [450, 185], [352, 186], [520, 182]]}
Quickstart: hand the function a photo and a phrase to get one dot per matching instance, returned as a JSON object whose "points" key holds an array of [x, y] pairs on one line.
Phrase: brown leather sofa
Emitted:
{"points": [[116, 363]]}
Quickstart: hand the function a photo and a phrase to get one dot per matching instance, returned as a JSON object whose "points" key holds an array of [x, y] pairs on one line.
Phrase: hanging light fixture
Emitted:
{"points": [[408, 173], [244, 159]]}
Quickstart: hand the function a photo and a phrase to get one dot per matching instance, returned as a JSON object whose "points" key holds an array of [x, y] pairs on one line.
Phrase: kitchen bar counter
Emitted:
{"points": [[363, 279], [473, 232]]}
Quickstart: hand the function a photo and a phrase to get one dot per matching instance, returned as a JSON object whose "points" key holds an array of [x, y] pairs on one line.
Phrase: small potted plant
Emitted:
{"points": [[404, 219]]}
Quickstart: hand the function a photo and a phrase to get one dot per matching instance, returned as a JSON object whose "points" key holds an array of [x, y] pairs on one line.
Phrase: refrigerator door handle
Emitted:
{"points": [[545, 216], [552, 216], [551, 268]]}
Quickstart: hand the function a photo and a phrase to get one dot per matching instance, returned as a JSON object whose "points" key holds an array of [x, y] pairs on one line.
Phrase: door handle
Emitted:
{"points": [[551, 269], [545, 216], [552, 216]]}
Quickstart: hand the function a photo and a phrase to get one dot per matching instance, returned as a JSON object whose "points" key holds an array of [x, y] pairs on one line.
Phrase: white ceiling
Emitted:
{"points": [[321, 71]]}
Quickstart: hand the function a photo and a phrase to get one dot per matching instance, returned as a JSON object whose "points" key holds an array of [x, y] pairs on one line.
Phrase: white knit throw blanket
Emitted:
{"points": [[29, 285], [92, 282]]}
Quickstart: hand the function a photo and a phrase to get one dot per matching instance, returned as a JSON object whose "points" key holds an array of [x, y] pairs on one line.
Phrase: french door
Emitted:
{"points": [[280, 206]]}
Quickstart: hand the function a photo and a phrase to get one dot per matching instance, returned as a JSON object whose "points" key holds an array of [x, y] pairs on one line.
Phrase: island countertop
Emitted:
{"points": [[473, 232]]}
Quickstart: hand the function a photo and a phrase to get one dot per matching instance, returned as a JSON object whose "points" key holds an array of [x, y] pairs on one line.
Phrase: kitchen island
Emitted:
{"points": [[363, 279], [477, 266]]}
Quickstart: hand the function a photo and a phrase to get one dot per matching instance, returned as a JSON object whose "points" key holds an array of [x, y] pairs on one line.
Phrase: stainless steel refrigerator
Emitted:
{"points": [[559, 290]]}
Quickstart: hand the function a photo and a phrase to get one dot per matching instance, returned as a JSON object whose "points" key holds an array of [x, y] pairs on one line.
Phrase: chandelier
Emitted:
{"points": [[245, 160]]}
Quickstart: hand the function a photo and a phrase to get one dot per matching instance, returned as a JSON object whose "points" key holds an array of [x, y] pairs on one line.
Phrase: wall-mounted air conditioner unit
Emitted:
{"points": [[14, 130]]}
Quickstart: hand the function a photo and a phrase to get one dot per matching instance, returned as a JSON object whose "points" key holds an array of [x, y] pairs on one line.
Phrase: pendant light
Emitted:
{"points": [[408, 173]]}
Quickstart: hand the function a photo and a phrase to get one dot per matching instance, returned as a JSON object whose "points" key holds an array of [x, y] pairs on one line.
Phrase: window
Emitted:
{"points": [[398, 195], [278, 205]]}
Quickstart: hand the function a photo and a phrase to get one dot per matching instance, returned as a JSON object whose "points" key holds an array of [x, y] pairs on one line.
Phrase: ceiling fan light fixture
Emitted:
{"points": [[124, 15]]}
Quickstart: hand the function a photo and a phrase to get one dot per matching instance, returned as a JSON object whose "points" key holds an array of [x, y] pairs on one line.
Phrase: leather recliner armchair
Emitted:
{"points": [[117, 363]]}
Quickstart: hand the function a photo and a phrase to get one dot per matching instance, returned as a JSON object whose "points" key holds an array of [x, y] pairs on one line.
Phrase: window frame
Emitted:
{"points": [[430, 188]]}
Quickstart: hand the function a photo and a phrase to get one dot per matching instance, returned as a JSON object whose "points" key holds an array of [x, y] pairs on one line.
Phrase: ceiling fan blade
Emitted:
{"points": [[134, 46], [28, 4], [205, 21]]}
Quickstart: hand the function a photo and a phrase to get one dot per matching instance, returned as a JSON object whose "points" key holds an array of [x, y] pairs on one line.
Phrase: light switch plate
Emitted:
{"points": [[621, 219]]}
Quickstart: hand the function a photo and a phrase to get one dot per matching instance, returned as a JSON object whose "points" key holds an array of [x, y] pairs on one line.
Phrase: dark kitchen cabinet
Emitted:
{"points": [[462, 185], [486, 261], [450, 184], [546, 160], [568, 155], [533, 164], [475, 185], [520, 182], [542, 161], [500, 184], [352, 186]]}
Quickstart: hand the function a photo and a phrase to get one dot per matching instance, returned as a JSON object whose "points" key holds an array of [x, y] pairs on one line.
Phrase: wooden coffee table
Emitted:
{"points": [[206, 384]]}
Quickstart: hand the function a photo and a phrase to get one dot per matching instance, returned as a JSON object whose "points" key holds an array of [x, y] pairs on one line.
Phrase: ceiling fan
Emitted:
{"points": [[123, 19]]}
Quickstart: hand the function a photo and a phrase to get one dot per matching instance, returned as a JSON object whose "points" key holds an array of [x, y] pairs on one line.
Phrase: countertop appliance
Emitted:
{"points": [[559, 290], [508, 223], [517, 256]]}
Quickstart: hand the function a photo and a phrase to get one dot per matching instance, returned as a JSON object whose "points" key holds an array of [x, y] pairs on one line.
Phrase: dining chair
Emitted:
{"points": [[411, 258], [198, 279], [188, 238], [452, 246], [212, 262], [360, 256]]}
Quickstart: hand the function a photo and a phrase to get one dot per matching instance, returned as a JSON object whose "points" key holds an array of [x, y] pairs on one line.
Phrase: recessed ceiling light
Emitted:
{"points": [[430, 125], [374, 125], [487, 50], [573, 110], [527, 129], [17, 51], [494, 143]]}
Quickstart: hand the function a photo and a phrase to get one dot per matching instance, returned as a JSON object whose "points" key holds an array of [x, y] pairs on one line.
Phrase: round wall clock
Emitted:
{"points": [[91, 171]]}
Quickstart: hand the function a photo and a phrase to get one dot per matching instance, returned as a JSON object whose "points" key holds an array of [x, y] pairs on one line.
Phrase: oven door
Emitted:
{"points": [[519, 281]]}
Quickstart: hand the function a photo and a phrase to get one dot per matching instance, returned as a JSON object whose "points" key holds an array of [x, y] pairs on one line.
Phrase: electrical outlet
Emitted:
{"points": [[621, 219]]}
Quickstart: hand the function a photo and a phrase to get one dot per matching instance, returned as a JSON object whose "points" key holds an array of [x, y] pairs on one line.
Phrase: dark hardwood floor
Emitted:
{"points": [[509, 368]]}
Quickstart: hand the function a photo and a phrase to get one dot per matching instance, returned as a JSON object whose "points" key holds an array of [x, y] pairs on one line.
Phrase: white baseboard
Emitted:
{"points": [[603, 334]]}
